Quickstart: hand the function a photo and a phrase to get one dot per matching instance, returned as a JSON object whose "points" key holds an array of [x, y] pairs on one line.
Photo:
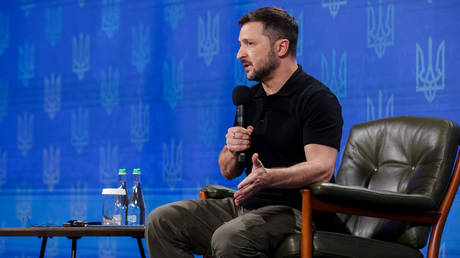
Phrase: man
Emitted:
{"points": [[293, 136]]}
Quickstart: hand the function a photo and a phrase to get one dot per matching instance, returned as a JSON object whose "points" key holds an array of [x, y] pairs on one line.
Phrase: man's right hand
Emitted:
{"points": [[238, 138]]}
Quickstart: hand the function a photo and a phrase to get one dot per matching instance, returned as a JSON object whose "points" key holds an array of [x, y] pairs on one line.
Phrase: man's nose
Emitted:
{"points": [[241, 53]]}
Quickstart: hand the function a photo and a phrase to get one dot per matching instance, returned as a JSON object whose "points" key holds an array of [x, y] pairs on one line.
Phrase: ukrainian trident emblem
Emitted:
{"points": [[51, 166], [208, 37], [173, 82], [333, 5], [380, 28], [81, 55], [23, 205], [140, 51], [25, 137], [107, 247], [79, 202], [430, 76], [335, 75], [110, 16], [207, 122], [53, 24], [140, 130], [108, 164], [173, 13], [26, 63], [52, 98], [172, 163], [387, 111], [110, 84], [80, 128]]}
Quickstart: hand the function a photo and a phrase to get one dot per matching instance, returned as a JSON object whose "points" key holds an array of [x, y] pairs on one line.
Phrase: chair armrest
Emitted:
{"points": [[360, 196], [217, 191], [365, 202]]}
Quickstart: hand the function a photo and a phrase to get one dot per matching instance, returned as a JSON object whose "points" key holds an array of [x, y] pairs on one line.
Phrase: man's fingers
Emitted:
{"points": [[245, 192], [256, 163], [239, 132], [248, 180], [238, 139], [236, 135], [255, 158], [238, 142], [250, 129], [238, 147]]}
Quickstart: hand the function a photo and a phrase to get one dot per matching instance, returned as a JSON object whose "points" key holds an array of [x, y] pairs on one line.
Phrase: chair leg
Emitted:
{"points": [[306, 250]]}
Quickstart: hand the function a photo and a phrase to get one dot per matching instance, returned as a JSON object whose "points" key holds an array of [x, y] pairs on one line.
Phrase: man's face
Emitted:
{"points": [[256, 52]]}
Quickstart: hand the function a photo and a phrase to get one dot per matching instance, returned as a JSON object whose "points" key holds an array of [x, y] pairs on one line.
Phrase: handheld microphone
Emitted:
{"points": [[241, 96]]}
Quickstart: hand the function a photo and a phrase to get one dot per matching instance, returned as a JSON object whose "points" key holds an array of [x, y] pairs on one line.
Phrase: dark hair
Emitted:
{"points": [[278, 24]]}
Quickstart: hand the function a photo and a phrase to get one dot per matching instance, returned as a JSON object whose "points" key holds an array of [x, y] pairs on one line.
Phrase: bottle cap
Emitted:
{"points": [[137, 171], [113, 191], [122, 171]]}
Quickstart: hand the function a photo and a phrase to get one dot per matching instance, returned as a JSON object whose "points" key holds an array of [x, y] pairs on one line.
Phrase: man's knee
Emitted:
{"points": [[162, 218], [222, 241], [230, 241]]}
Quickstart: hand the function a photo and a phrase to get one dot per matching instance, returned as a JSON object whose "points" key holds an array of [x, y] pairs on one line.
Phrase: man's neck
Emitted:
{"points": [[279, 76]]}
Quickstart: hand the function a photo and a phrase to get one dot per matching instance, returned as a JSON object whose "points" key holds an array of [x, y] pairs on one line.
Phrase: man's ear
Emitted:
{"points": [[282, 47]]}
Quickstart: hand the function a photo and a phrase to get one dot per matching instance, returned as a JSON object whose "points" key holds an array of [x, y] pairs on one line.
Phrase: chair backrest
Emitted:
{"points": [[411, 155]]}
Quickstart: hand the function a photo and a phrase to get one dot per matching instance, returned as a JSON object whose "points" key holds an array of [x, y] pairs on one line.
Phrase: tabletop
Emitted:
{"points": [[134, 231]]}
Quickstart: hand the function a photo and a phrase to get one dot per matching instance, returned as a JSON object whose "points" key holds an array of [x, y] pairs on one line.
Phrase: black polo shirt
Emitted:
{"points": [[304, 111]]}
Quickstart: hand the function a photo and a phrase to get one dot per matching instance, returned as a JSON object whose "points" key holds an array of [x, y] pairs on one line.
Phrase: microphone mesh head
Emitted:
{"points": [[241, 95]]}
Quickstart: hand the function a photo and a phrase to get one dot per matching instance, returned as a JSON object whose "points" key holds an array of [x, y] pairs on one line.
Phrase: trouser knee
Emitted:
{"points": [[228, 241], [222, 242], [160, 218]]}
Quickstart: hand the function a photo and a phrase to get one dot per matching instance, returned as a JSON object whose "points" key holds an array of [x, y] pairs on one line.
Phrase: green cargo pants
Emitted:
{"points": [[219, 228]]}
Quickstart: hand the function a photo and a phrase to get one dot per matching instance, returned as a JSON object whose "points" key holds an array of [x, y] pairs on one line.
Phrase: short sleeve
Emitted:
{"points": [[322, 119]]}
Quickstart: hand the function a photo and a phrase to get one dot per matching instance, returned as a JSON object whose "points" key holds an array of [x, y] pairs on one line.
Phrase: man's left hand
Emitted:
{"points": [[258, 179]]}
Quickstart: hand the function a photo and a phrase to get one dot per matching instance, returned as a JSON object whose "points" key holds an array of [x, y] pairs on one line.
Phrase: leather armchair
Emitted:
{"points": [[393, 190]]}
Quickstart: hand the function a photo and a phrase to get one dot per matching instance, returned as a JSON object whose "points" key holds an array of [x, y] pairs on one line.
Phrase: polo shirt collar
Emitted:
{"points": [[289, 87]]}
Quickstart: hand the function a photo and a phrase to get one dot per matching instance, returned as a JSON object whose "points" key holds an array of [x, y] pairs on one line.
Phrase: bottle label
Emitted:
{"points": [[117, 219], [132, 219]]}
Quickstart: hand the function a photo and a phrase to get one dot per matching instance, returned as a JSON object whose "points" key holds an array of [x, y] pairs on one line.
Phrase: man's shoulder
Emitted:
{"points": [[310, 86]]}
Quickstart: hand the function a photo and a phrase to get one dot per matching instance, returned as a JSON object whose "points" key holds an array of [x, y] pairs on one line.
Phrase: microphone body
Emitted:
{"points": [[241, 96], [240, 122]]}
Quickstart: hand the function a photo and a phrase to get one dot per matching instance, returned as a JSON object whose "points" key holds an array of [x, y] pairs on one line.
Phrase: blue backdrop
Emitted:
{"points": [[87, 87]]}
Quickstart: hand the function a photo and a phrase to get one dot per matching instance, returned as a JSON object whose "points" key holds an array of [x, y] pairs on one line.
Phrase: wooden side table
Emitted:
{"points": [[76, 233]]}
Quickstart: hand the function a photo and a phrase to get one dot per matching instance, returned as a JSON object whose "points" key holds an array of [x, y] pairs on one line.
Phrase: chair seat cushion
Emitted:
{"points": [[336, 245]]}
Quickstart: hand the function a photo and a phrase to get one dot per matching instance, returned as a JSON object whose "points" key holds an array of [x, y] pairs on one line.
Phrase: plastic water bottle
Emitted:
{"points": [[121, 201], [136, 206]]}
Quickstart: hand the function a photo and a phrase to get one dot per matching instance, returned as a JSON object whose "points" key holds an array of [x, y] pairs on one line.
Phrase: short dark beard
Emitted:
{"points": [[266, 69]]}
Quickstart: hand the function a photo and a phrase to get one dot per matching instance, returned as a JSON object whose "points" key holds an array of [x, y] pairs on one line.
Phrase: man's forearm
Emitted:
{"points": [[229, 165], [300, 175], [297, 176]]}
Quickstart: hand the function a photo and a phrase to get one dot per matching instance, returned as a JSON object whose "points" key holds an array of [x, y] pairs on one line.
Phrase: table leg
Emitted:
{"points": [[141, 248], [43, 247], [74, 247]]}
